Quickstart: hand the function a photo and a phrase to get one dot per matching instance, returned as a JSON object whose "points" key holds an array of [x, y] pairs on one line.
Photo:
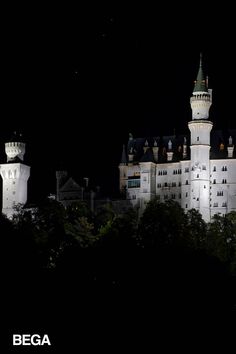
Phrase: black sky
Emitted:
{"points": [[77, 80]]}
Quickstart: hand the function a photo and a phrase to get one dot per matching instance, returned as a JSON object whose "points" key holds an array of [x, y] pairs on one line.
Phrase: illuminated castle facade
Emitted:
{"points": [[15, 175], [198, 171]]}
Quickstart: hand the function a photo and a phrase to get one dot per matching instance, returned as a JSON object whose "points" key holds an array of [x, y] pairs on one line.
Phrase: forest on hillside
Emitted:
{"points": [[60, 264]]}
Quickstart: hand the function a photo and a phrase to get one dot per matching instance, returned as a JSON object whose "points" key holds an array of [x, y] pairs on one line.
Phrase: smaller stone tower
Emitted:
{"points": [[15, 175]]}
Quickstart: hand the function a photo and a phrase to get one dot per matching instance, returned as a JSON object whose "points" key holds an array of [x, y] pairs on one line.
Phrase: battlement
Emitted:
{"points": [[14, 150], [201, 97]]}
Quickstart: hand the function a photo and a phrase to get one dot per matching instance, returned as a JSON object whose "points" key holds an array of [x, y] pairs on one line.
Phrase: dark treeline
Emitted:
{"points": [[61, 262]]}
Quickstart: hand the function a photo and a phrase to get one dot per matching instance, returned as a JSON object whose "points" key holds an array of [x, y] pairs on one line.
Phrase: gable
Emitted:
{"points": [[70, 186]]}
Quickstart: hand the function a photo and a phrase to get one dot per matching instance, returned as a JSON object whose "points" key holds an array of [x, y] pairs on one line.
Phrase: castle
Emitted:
{"points": [[198, 171]]}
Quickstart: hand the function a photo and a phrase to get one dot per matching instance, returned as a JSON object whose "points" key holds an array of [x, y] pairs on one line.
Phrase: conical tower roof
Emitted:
{"points": [[123, 157], [200, 83]]}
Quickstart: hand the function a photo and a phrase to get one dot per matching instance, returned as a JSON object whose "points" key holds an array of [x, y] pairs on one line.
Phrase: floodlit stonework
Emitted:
{"points": [[198, 171], [15, 175]]}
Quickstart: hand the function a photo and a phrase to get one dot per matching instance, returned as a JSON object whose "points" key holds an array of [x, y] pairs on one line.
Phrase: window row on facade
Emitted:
{"points": [[224, 181], [135, 183], [223, 168], [216, 205], [162, 173]]}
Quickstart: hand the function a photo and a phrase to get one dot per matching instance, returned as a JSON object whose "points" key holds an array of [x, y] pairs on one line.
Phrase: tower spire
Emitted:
{"points": [[200, 59], [200, 83], [123, 156], [202, 96]]}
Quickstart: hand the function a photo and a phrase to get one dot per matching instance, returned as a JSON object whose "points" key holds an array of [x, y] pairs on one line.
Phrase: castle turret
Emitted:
{"points": [[155, 151], [15, 175], [185, 148], [170, 152], [230, 147], [200, 128], [201, 99]]}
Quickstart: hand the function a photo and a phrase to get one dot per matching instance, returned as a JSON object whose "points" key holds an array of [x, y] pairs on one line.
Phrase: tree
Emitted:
{"points": [[81, 232], [120, 231], [103, 214], [230, 236], [41, 229], [162, 224], [78, 209], [195, 230], [221, 238]]}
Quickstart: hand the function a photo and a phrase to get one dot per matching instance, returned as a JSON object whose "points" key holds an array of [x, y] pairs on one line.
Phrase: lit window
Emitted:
{"points": [[134, 183]]}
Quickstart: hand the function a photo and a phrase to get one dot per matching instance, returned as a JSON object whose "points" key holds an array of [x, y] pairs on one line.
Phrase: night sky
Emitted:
{"points": [[77, 80]]}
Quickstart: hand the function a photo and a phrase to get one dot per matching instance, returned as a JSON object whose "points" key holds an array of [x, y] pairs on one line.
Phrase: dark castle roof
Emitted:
{"points": [[148, 156], [136, 146], [219, 144], [200, 83], [124, 156]]}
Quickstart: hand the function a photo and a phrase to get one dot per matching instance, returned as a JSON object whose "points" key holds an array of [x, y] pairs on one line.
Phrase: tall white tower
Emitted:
{"points": [[200, 128], [15, 175]]}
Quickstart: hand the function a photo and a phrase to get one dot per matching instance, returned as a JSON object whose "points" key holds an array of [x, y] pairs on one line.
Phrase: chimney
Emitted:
{"points": [[230, 147]]}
